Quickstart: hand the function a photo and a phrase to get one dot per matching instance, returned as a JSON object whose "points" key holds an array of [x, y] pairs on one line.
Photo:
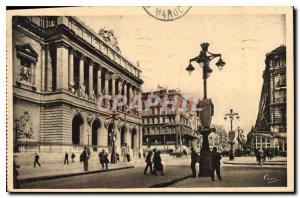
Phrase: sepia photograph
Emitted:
{"points": [[150, 99]]}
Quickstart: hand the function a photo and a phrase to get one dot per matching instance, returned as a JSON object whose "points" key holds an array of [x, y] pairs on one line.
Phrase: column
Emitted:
{"points": [[125, 89], [43, 68], [49, 70], [62, 65], [99, 91], [91, 67], [130, 92], [261, 142], [133, 92], [71, 67], [81, 71], [106, 83], [255, 141], [113, 87], [266, 142], [119, 86]]}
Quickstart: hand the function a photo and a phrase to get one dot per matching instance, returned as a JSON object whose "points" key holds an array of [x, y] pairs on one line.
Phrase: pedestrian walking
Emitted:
{"points": [[84, 157], [216, 164], [103, 158], [73, 157], [157, 165], [193, 162], [128, 157], [36, 160], [260, 154], [66, 161], [118, 157], [148, 163]]}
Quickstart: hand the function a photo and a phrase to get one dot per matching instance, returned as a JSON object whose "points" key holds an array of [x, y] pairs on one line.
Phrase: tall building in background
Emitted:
{"points": [[169, 131], [270, 128], [60, 67]]}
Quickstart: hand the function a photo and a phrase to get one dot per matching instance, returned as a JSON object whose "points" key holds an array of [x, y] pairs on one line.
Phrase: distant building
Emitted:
{"points": [[270, 127], [169, 131], [219, 138]]}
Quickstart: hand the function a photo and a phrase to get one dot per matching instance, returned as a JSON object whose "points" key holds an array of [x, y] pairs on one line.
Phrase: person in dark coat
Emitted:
{"points": [[157, 165], [216, 157], [193, 162], [66, 161], [103, 158], [148, 163], [84, 157], [36, 160], [73, 157]]}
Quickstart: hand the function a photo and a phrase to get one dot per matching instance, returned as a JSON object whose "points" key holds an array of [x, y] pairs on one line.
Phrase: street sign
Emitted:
{"points": [[231, 136]]}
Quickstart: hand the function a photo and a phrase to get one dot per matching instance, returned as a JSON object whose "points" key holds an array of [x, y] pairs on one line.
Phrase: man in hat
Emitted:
{"points": [[216, 164], [84, 157], [193, 162]]}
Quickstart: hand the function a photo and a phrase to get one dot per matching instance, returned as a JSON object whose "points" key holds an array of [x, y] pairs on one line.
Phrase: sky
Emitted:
{"points": [[163, 50]]}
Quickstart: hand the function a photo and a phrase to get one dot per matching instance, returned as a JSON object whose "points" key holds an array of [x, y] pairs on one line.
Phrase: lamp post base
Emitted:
{"points": [[113, 159], [205, 155], [205, 165]]}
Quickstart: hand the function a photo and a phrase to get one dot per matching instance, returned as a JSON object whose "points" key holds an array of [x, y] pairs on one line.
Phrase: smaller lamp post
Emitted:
{"points": [[113, 137], [89, 119], [231, 115]]}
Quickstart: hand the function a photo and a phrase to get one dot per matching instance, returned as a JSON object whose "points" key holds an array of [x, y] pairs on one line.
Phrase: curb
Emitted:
{"points": [[40, 178], [168, 183], [251, 164], [254, 167]]}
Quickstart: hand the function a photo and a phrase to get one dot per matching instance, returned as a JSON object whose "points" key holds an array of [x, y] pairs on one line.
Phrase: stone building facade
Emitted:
{"points": [[60, 68], [168, 130], [270, 128]]}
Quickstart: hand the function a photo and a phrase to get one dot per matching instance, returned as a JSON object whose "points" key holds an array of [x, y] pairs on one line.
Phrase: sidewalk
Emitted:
{"points": [[251, 161], [29, 173]]}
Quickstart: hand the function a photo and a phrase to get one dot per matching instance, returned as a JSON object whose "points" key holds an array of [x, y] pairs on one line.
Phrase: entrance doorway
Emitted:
{"points": [[77, 129]]}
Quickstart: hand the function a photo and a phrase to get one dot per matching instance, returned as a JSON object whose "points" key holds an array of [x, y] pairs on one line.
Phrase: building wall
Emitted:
{"points": [[52, 108], [271, 120]]}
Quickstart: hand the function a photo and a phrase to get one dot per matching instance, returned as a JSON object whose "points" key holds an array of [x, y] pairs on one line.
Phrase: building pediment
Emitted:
{"points": [[26, 50]]}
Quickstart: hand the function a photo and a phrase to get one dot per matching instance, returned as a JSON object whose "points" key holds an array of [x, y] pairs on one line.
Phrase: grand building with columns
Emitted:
{"points": [[270, 129], [60, 68]]}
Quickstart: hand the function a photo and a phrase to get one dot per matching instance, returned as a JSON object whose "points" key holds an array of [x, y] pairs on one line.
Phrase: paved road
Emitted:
{"points": [[237, 177], [134, 178], [129, 178]]}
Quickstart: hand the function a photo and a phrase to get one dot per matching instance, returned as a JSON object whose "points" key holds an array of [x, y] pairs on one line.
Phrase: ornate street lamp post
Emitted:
{"points": [[231, 115], [113, 136], [204, 59]]}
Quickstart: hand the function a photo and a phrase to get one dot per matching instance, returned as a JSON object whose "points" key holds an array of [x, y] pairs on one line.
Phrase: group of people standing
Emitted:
{"points": [[103, 159], [66, 160], [263, 154], [153, 162], [214, 163]]}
